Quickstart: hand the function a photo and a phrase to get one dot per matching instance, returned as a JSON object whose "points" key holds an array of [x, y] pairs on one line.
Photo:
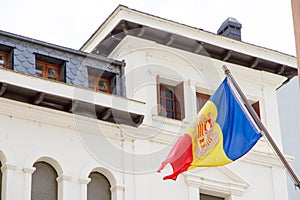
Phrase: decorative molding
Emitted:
{"points": [[29, 170], [84, 181], [63, 178], [234, 186], [166, 78], [115, 188], [6, 167], [264, 159]]}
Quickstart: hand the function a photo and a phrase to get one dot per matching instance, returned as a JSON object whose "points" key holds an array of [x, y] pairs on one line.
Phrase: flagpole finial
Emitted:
{"points": [[226, 70]]}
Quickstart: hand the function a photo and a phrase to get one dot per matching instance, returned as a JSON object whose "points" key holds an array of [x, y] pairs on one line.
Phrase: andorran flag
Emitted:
{"points": [[220, 134]]}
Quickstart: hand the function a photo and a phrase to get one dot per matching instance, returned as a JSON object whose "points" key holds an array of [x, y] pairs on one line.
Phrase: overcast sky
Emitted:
{"points": [[69, 23]]}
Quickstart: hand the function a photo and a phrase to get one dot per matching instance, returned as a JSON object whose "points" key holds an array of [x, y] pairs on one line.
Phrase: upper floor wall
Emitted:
{"points": [[155, 72], [65, 79], [174, 67], [54, 62]]}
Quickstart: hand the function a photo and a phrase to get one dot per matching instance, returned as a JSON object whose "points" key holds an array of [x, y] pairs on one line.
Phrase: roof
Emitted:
{"points": [[125, 21], [61, 48]]}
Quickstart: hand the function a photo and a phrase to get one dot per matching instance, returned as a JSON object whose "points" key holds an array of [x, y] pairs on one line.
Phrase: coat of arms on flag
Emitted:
{"points": [[220, 134]]}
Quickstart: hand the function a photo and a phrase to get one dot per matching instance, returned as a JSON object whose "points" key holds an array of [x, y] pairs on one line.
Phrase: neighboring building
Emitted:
{"points": [[296, 21], [83, 125], [288, 99]]}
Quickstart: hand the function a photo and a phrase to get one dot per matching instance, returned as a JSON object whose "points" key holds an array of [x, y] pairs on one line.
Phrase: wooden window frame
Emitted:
{"points": [[96, 84], [163, 100], [201, 100], [45, 67], [256, 108], [205, 98], [5, 55], [178, 99]]}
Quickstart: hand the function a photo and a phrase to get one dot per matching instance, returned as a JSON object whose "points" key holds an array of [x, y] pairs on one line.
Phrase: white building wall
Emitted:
{"points": [[145, 60]]}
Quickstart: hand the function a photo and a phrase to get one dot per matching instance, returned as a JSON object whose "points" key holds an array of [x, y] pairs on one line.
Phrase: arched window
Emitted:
{"points": [[98, 188], [0, 180], [44, 185]]}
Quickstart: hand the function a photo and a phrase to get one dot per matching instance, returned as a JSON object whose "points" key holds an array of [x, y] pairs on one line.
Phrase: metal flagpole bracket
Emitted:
{"points": [[261, 126]]}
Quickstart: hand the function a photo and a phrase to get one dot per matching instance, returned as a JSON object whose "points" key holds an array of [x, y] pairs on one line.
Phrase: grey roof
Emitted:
{"points": [[61, 48]]}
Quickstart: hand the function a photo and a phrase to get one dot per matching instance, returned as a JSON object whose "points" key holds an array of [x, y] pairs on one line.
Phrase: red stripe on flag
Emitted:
{"points": [[180, 157]]}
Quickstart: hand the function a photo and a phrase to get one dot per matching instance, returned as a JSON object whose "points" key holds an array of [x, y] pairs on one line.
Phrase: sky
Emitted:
{"points": [[69, 23]]}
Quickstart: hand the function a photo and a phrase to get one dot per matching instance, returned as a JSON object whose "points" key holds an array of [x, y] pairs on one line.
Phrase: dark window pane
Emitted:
{"points": [[169, 93], [170, 114], [103, 84], [209, 197], [169, 105], [91, 82], [38, 75], [52, 72], [39, 68], [2, 60], [52, 78], [102, 90], [98, 188], [44, 184]]}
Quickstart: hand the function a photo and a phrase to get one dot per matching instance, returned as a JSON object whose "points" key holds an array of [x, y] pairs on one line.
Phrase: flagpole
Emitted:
{"points": [[262, 127]]}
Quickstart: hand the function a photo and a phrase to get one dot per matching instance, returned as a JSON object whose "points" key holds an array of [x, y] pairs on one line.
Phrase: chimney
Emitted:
{"points": [[231, 28]]}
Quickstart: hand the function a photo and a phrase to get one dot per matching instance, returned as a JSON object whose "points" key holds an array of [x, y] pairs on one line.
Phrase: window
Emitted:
{"points": [[98, 188], [255, 106], [167, 100], [201, 100], [46, 70], [170, 100], [44, 185], [3, 60], [99, 84], [209, 197]]}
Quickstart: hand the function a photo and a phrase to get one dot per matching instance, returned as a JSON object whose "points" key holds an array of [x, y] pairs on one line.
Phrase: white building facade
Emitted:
{"points": [[108, 145]]}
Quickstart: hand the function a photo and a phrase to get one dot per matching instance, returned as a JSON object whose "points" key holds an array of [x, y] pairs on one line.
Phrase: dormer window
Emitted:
{"points": [[102, 80], [3, 60], [99, 84], [46, 70]]}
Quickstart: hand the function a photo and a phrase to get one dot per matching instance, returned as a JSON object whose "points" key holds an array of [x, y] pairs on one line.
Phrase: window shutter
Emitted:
{"points": [[158, 94], [180, 115], [44, 185], [255, 106], [201, 100], [98, 188], [113, 89]]}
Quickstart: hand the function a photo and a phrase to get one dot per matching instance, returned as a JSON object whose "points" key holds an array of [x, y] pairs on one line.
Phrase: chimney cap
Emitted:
{"points": [[231, 27]]}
